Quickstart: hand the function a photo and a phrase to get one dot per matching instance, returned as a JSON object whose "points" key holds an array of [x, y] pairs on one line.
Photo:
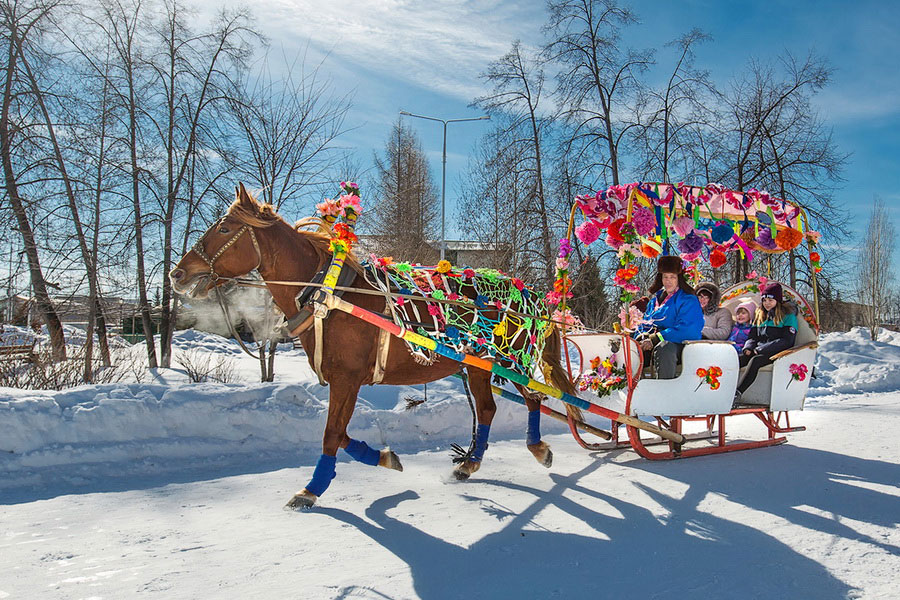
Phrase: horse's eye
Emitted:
{"points": [[223, 229]]}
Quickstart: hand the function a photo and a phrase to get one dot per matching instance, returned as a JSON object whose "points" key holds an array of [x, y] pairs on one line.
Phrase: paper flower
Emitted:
{"points": [[443, 266], [709, 376], [648, 251], [683, 226], [350, 203], [798, 373], [788, 239], [587, 232], [329, 207], [643, 220], [717, 258], [721, 233], [690, 244], [765, 239]]}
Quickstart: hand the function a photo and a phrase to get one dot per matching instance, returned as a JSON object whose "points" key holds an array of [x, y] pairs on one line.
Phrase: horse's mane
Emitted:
{"points": [[263, 215]]}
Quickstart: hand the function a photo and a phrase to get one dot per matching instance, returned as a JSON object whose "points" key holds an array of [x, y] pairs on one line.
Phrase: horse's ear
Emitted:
{"points": [[244, 198]]}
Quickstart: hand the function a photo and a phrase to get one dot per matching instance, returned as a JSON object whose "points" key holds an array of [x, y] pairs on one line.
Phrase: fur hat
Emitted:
{"points": [[749, 306], [711, 290], [773, 290], [669, 264]]}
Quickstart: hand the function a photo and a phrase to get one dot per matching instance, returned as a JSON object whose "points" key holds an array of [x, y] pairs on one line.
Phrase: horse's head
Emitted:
{"points": [[228, 249]]}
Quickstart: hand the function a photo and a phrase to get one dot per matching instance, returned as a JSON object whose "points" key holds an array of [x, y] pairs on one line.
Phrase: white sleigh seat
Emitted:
{"points": [[775, 386], [689, 393]]}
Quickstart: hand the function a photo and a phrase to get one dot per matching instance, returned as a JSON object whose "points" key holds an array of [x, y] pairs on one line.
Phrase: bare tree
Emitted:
{"points": [[596, 75], [518, 84], [406, 204], [286, 125], [777, 142], [193, 72], [20, 23], [875, 266], [667, 117]]}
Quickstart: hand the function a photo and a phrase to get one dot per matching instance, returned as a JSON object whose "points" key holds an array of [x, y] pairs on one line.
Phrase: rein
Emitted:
{"points": [[344, 288]]}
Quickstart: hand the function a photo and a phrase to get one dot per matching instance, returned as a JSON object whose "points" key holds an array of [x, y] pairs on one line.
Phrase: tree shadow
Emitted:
{"points": [[811, 488], [638, 553]]}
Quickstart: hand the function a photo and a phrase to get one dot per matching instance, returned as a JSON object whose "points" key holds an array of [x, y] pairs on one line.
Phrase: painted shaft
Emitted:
{"points": [[333, 302]]}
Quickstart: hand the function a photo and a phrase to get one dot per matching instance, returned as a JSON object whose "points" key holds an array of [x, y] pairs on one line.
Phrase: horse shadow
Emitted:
{"points": [[632, 551]]}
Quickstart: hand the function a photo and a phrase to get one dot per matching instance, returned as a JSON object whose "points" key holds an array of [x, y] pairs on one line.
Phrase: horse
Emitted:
{"points": [[251, 236]]}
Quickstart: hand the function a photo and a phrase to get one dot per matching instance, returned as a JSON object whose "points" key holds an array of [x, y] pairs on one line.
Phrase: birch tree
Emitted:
{"points": [[875, 266]]}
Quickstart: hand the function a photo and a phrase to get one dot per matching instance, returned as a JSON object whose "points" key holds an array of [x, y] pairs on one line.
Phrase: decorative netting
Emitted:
{"points": [[485, 313]]}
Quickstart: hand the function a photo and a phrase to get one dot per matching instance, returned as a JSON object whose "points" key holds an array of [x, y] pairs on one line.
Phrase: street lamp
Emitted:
{"points": [[444, 168]]}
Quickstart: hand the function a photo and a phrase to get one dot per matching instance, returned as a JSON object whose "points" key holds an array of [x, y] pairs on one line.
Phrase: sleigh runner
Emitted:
{"points": [[396, 321]]}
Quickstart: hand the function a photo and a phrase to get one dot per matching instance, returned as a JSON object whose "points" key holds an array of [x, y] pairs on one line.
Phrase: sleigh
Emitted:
{"points": [[701, 395]]}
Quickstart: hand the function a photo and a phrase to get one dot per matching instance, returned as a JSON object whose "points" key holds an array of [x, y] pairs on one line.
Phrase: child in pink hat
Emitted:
{"points": [[742, 323]]}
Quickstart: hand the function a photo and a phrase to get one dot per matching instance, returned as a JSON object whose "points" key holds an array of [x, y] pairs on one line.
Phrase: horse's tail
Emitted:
{"points": [[555, 373]]}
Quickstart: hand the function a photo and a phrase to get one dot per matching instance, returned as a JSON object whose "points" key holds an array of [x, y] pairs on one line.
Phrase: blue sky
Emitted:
{"points": [[425, 57]]}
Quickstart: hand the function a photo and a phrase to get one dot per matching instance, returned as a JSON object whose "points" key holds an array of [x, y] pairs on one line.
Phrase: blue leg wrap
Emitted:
{"points": [[322, 475], [534, 428], [360, 451], [481, 442]]}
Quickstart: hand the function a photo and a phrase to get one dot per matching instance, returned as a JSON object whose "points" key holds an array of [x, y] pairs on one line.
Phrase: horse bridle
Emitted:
{"points": [[198, 248]]}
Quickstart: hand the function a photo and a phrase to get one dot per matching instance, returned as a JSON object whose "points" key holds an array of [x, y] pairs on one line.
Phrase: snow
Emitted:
{"points": [[171, 489]]}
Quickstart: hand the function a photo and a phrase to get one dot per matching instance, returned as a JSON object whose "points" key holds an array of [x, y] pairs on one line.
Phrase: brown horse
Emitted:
{"points": [[252, 236]]}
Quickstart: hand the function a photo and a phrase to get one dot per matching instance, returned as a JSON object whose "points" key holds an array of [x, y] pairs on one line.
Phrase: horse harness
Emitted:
{"points": [[309, 303]]}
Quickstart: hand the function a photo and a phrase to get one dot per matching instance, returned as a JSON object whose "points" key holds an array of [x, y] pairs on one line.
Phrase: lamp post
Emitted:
{"points": [[444, 168]]}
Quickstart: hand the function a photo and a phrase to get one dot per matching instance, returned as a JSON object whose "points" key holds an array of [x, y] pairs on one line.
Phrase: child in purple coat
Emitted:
{"points": [[741, 330]]}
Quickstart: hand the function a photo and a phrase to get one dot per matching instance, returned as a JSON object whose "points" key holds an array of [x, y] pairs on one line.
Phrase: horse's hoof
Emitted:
{"points": [[302, 499], [542, 453], [389, 460], [465, 470]]}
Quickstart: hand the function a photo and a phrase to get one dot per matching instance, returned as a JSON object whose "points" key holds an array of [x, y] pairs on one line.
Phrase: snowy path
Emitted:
{"points": [[815, 518]]}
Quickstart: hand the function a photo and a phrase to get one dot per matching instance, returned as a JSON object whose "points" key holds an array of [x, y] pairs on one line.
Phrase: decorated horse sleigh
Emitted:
{"points": [[399, 324]]}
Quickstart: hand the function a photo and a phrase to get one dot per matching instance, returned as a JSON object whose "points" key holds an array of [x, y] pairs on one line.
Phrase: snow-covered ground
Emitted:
{"points": [[174, 490]]}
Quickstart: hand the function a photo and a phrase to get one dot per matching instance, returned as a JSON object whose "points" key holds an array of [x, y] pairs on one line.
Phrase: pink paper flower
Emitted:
{"points": [[587, 232], [683, 226], [643, 220]]}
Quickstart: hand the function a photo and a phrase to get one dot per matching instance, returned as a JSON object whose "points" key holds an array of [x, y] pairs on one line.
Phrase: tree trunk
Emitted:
{"points": [[38, 284]]}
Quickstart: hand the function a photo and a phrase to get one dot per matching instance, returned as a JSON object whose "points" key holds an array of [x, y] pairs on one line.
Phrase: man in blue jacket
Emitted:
{"points": [[673, 316]]}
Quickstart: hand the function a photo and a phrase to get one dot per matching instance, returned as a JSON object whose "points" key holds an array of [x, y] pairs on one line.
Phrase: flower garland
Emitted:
{"points": [[562, 285], [604, 377], [347, 205]]}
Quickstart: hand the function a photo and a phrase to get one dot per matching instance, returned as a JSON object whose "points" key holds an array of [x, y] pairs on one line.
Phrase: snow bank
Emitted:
{"points": [[97, 431], [114, 430], [850, 362]]}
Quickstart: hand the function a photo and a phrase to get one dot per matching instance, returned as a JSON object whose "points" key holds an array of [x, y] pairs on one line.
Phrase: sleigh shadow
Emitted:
{"points": [[676, 549]]}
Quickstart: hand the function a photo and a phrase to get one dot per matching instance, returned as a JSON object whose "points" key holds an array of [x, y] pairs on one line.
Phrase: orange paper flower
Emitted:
{"points": [[788, 239]]}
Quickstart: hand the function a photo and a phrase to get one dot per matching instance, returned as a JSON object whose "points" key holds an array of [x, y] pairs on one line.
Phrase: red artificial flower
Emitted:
{"points": [[716, 258]]}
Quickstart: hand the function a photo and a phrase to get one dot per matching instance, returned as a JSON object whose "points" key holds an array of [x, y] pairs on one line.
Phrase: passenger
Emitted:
{"points": [[717, 321], [741, 330], [673, 316], [774, 330]]}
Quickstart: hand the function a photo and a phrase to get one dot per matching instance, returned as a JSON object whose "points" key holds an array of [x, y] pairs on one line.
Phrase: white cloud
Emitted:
{"points": [[441, 46]]}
